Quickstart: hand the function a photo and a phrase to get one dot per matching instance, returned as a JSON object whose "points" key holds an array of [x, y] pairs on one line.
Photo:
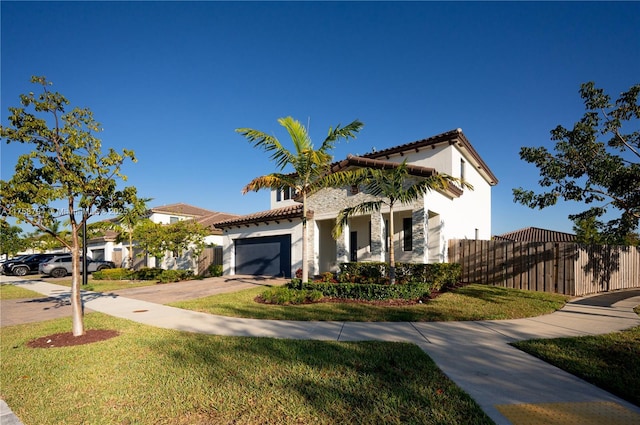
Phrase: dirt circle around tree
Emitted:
{"points": [[66, 339]]}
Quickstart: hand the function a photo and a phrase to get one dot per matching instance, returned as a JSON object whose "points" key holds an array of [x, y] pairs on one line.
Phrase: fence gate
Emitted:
{"points": [[209, 256]]}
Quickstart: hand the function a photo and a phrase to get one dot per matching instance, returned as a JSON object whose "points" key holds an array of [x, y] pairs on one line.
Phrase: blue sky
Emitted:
{"points": [[173, 80]]}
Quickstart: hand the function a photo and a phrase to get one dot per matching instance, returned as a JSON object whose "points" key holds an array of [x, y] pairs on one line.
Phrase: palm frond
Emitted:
{"points": [[344, 178], [279, 154], [298, 133], [273, 181], [343, 216], [347, 132]]}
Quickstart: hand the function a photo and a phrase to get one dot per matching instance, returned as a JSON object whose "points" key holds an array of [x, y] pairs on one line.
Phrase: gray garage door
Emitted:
{"points": [[266, 256]]}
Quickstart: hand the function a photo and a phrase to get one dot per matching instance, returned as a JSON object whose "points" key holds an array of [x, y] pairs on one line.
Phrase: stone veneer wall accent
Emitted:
{"points": [[419, 218]]}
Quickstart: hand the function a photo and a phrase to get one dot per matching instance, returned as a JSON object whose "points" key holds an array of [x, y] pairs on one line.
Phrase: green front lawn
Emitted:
{"points": [[472, 302], [13, 292], [611, 361], [104, 285], [149, 375]]}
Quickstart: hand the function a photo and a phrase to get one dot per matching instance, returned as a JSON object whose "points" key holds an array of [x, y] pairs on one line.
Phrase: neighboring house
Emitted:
{"points": [[270, 242], [105, 247], [535, 234]]}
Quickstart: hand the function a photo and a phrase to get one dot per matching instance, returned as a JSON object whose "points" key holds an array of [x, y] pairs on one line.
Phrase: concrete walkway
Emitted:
{"points": [[509, 385]]}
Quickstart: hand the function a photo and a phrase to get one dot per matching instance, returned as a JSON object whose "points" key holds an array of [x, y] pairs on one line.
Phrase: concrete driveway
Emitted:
{"points": [[18, 311]]}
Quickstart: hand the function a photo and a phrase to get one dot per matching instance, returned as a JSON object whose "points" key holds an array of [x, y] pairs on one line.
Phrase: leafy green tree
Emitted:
{"points": [[150, 238], [602, 173], [43, 241], [66, 167], [390, 187], [309, 165], [127, 221], [11, 241], [179, 237]]}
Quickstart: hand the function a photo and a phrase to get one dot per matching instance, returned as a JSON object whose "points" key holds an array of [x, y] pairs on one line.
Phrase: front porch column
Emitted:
{"points": [[377, 237], [312, 256], [420, 226], [342, 246]]}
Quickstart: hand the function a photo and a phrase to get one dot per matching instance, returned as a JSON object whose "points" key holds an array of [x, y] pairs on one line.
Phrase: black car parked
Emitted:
{"points": [[25, 265]]}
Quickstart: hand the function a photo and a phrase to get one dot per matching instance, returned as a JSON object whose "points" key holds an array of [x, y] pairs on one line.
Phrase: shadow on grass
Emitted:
{"points": [[363, 382]]}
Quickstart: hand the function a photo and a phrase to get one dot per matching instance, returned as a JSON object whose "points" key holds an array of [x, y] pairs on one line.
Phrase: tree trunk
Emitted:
{"points": [[392, 255], [305, 235], [130, 253], [76, 301]]}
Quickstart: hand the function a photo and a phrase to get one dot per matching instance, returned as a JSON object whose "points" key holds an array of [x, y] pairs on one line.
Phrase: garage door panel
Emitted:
{"points": [[270, 256]]}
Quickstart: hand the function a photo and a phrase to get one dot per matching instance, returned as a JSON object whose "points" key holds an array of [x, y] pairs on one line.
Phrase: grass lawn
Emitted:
{"points": [[472, 302], [149, 375], [13, 292], [104, 285], [611, 361]]}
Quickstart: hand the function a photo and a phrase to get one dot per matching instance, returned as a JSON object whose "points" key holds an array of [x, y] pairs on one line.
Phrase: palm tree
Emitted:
{"points": [[127, 221], [391, 186], [309, 165]]}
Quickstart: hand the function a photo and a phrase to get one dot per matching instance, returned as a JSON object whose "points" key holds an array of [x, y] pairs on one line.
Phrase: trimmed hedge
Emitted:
{"points": [[161, 275], [148, 273], [283, 296], [113, 274], [175, 275], [367, 292], [436, 275]]}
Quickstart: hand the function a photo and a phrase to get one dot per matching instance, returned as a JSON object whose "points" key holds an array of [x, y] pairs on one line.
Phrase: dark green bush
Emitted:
{"points": [[147, 273], [370, 272], [175, 275], [113, 274], [367, 292], [368, 281], [437, 275], [283, 296]]}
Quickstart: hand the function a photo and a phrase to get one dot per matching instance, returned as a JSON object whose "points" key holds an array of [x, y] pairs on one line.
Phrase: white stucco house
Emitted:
{"points": [[270, 242], [106, 247]]}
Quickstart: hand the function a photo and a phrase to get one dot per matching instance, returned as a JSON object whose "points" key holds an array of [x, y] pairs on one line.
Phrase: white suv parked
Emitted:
{"points": [[61, 266]]}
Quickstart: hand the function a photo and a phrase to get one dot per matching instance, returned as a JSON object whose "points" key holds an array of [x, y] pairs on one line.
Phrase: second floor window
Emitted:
{"points": [[284, 194]]}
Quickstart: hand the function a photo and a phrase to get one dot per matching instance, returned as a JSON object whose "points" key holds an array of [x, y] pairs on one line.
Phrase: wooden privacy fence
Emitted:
{"points": [[209, 256], [564, 268]]}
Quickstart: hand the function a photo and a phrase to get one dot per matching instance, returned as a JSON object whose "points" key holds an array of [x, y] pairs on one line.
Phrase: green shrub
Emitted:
{"points": [[113, 274], [367, 291], [148, 273], [175, 275], [284, 296], [215, 270], [437, 275]]}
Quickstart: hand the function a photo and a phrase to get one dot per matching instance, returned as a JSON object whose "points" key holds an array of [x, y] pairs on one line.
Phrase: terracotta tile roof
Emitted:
{"points": [[414, 170], [450, 137], [107, 236], [210, 220], [277, 214], [535, 234], [181, 209], [360, 161]]}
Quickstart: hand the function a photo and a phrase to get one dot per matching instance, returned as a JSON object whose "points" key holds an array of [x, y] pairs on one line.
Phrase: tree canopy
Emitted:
{"points": [[597, 162], [65, 175], [11, 241], [157, 239]]}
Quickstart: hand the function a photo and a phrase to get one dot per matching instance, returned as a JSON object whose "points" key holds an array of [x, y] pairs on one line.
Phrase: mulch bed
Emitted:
{"points": [[66, 339]]}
